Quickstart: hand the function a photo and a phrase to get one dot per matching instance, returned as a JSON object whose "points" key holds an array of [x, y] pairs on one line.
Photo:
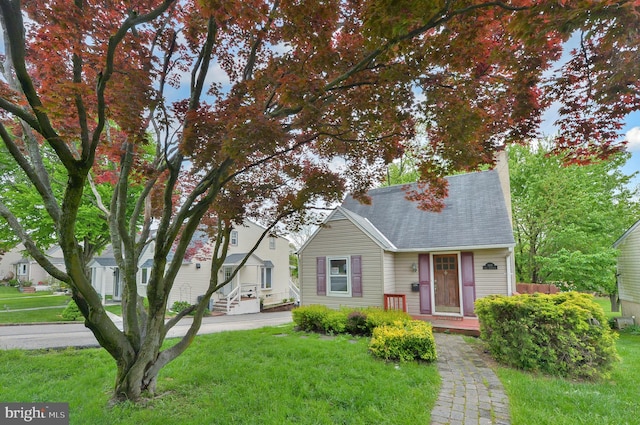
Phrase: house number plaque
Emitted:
{"points": [[490, 266]]}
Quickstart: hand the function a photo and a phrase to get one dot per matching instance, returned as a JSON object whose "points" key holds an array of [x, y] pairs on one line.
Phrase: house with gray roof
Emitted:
{"points": [[390, 253]]}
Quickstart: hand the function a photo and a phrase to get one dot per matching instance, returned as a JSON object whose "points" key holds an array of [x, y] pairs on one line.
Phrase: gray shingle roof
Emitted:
{"points": [[475, 214]]}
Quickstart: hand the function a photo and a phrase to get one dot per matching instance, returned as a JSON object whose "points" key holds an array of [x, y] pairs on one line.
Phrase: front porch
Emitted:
{"points": [[455, 325], [441, 323]]}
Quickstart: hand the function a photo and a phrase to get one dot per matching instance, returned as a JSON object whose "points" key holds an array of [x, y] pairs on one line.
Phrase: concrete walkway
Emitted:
{"points": [[471, 392]]}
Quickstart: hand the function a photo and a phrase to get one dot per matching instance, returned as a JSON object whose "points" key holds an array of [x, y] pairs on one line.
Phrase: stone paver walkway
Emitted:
{"points": [[471, 393]]}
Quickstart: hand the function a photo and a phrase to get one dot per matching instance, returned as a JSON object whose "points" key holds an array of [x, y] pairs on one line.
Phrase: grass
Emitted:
{"points": [[13, 303], [264, 376], [541, 400], [605, 303], [13, 298]]}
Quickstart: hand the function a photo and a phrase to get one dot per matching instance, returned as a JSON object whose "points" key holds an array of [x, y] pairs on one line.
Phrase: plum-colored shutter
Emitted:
{"points": [[468, 283], [356, 275], [424, 275], [321, 275]]}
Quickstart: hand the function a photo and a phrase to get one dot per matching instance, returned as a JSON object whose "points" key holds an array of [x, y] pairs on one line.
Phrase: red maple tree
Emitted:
{"points": [[229, 110]]}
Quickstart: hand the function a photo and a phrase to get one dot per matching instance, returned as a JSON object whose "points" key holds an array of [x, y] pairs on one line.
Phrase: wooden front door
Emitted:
{"points": [[446, 283]]}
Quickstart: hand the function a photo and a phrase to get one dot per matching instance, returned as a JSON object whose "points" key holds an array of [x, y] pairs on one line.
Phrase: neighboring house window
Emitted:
{"points": [[338, 274], [234, 238], [267, 276], [272, 242], [22, 269], [145, 276]]}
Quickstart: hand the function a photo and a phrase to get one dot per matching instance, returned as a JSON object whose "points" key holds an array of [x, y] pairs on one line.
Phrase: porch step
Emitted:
{"points": [[452, 318], [452, 324], [221, 306]]}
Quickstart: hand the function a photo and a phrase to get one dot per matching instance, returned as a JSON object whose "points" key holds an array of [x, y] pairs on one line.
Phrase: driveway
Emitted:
{"points": [[38, 336]]}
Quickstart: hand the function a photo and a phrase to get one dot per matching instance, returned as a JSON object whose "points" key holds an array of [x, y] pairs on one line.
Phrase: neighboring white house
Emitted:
{"points": [[9, 261], [265, 276], [629, 271], [390, 251], [15, 265], [105, 275]]}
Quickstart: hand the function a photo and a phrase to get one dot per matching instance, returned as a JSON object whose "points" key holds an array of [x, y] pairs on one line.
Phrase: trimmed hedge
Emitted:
{"points": [[320, 318], [565, 334], [395, 335], [404, 341]]}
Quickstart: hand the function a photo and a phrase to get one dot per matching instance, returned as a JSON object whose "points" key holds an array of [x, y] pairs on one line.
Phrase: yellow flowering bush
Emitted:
{"points": [[404, 341]]}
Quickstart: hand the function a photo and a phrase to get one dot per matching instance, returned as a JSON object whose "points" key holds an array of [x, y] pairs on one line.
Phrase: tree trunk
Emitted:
{"points": [[615, 303], [134, 380]]}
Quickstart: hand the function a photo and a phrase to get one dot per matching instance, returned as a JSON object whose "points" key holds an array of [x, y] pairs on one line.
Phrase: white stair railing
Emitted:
{"points": [[294, 291], [233, 296]]}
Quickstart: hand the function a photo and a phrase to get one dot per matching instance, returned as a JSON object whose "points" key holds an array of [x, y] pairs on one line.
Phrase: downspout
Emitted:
{"points": [[509, 279]]}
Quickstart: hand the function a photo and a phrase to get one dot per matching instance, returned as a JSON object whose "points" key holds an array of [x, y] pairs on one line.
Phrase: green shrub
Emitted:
{"points": [[378, 317], [178, 306], [357, 323], [631, 330], [404, 341], [71, 311], [320, 318], [310, 318], [335, 321], [565, 334]]}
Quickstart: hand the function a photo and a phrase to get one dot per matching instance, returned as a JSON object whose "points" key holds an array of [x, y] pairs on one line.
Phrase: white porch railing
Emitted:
{"points": [[243, 299], [294, 291], [233, 296]]}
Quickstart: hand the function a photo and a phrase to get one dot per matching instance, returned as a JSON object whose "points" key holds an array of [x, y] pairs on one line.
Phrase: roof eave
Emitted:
{"points": [[454, 248], [626, 234]]}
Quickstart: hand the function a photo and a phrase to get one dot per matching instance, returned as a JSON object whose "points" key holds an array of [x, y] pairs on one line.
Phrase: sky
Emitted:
{"points": [[632, 135]]}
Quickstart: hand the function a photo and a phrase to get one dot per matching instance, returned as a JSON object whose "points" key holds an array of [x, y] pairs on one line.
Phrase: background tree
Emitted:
{"points": [[402, 171], [265, 94], [566, 218], [91, 227]]}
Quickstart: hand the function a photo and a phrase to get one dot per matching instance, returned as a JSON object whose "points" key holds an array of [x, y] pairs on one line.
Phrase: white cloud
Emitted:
{"points": [[633, 139]]}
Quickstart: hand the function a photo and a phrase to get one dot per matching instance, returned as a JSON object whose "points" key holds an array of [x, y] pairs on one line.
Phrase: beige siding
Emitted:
{"points": [[405, 276], [490, 282], [342, 238], [629, 271], [631, 309], [389, 273]]}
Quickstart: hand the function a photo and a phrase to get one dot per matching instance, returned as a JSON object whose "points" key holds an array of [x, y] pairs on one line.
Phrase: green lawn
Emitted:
{"points": [[12, 296], [264, 376], [540, 400], [12, 301]]}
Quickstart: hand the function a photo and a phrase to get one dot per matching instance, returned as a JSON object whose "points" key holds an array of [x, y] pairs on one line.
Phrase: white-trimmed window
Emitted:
{"points": [[339, 282], [22, 269], [144, 278], [233, 238], [267, 278], [272, 242]]}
